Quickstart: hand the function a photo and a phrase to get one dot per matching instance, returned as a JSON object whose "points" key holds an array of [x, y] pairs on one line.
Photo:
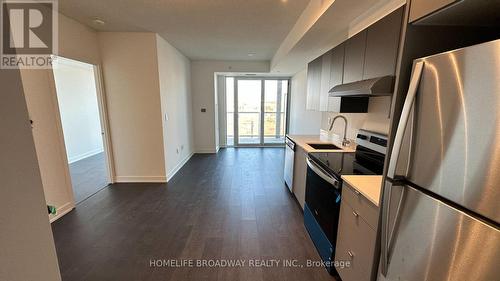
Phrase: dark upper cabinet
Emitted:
{"points": [[337, 66], [370, 53], [323, 73], [314, 83], [382, 41], [422, 8], [354, 57], [325, 80], [344, 104]]}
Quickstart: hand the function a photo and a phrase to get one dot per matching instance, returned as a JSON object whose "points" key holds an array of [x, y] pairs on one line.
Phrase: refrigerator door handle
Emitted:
{"points": [[396, 149], [405, 115]]}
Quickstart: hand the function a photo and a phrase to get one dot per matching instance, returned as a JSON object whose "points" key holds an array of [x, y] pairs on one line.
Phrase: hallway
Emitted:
{"points": [[233, 205]]}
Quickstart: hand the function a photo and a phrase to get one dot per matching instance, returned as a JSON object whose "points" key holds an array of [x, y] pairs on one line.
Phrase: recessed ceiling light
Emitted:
{"points": [[98, 22], [284, 1], [251, 54]]}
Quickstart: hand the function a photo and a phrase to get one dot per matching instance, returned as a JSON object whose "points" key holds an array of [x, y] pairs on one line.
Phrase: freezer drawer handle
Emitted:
{"points": [[355, 214], [396, 149]]}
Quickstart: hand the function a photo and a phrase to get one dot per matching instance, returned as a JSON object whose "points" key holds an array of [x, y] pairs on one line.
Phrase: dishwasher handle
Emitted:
{"points": [[290, 143]]}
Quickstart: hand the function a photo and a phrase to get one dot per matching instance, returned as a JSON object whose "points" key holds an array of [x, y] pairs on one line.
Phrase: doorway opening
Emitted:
{"points": [[256, 111], [80, 106]]}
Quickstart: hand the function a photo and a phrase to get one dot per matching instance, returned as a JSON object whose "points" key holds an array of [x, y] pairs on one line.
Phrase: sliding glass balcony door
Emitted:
{"points": [[249, 104], [256, 111], [275, 100]]}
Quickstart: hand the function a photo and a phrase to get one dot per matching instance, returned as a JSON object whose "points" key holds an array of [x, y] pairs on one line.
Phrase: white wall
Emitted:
{"points": [[377, 119], [133, 103], [27, 246], [130, 70], [76, 41], [204, 96], [77, 99], [175, 90], [41, 99], [302, 121]]}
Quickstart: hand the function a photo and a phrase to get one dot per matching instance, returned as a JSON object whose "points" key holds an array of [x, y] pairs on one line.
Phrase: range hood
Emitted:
{"points": [[380, 86]]}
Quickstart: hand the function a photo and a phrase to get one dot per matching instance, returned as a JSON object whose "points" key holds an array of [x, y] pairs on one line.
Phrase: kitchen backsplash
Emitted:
{"points": [[376, 119]]}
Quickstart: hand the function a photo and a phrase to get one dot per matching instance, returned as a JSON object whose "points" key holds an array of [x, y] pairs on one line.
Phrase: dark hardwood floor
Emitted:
{"points": [[88, 176], [232, 205]]}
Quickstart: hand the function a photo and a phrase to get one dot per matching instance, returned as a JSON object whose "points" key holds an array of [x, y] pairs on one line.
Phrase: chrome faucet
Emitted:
{"points": [[345, 142]]}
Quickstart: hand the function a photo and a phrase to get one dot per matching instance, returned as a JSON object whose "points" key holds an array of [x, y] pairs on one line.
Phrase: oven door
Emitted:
{"points": [[323, 199]]}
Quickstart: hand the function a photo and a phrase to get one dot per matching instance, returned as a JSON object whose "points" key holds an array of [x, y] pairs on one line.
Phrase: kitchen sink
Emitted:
{"points": [[323, 146]]}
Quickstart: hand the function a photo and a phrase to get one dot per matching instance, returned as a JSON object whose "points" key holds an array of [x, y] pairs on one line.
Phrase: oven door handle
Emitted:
{"points": [[322, 173]]}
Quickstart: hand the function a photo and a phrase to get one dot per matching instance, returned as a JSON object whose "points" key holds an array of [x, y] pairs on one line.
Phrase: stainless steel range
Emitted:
{"points": [[324, 188]]}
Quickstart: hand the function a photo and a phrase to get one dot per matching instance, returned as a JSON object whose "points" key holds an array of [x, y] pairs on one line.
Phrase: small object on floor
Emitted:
{"points": [[52, 209]]}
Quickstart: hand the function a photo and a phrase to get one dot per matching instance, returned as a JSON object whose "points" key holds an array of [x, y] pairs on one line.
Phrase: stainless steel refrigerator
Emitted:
{"points": [[441, 202]]}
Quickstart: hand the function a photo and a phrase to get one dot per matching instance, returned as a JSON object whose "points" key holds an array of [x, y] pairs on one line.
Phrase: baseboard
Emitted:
{"points": [[132, 179], [179, 166], [84, 155], [61, 211], [206, 151]]}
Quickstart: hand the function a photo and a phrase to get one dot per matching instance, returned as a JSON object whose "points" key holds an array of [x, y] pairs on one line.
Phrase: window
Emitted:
{"points": [[256, 110]]}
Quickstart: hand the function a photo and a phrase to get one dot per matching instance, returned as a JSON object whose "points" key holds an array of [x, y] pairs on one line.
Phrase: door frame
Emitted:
{"points": [[262, 80], [103, 118], [103, 112]]}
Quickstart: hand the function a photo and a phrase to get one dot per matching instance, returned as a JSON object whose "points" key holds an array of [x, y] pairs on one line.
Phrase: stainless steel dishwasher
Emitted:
{"points": [[289, 159]]}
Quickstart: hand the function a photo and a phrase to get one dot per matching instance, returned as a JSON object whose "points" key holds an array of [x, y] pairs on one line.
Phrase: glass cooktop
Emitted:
{"points": [[363, 162]]}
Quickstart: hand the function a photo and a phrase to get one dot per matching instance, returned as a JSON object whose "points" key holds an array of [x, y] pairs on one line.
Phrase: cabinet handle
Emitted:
{"points": [[351, 255], [355, 214]]}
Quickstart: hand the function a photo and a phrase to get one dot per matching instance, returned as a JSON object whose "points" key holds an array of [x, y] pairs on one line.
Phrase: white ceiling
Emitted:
{"points": [[200, 29]]}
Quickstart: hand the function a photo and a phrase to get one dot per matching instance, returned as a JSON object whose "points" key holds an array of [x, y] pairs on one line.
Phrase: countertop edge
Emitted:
{"points": [[302, 140], [349, 180]]}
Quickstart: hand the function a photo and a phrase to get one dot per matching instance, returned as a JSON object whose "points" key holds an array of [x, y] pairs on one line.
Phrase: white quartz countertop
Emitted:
{"points": [[304, 140], [369, 186]]}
